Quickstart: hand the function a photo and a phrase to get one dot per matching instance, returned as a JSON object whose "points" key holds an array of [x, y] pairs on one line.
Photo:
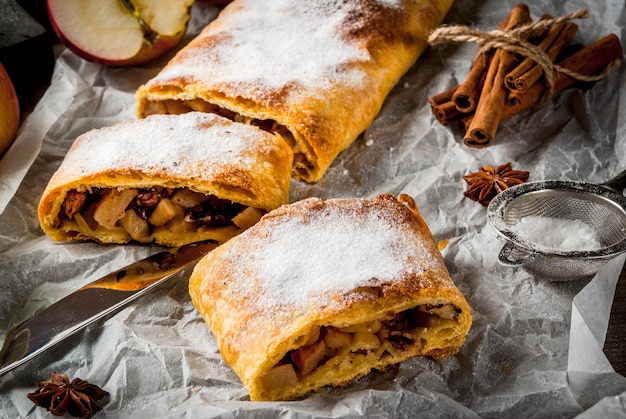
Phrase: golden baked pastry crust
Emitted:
{"points": [[353, 269], [197, 152], [319, 70]]}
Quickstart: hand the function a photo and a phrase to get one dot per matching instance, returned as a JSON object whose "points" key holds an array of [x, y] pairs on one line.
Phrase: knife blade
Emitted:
{"points": [[94, 301]]}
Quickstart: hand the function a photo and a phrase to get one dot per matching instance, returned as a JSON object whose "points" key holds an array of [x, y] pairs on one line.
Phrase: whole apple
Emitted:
{"points": [[9, 112], [120, 32]]}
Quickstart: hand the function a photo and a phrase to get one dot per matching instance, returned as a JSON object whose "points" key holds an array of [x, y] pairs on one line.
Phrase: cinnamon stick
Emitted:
{"points": [[540, 31], [443, 107], [466, 96], [466, 120], [590, 60], [468, 93], [488, 114], [528, 71]]}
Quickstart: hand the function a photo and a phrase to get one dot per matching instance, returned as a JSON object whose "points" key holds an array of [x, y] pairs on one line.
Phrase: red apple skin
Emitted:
{"points": [[9, 112], [146, 54]]}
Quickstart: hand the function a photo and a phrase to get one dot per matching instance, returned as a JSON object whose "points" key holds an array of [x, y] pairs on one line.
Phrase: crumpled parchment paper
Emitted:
{"points": [[535, 348]]}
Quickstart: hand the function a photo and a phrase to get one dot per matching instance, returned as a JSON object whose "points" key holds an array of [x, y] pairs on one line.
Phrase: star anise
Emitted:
{"points": [[59, 396], [488, 182]]}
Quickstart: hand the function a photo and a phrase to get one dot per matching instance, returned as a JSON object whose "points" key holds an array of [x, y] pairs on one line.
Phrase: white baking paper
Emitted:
{"points": [[589, 371], [534, 350]]}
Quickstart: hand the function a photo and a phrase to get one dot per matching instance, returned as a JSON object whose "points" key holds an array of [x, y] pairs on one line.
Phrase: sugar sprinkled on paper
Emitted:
{"points": [[569, 235]]}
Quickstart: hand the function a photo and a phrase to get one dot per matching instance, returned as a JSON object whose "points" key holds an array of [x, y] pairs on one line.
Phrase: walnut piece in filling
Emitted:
{"points": [[145, 214], [332, 347]]}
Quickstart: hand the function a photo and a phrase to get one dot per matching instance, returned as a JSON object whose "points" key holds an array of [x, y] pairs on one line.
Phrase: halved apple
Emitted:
{"points": [[120, 32], [9, 112]]}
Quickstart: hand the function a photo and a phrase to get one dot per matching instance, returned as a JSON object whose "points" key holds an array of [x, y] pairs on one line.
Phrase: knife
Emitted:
{"points": [[94, 301]]}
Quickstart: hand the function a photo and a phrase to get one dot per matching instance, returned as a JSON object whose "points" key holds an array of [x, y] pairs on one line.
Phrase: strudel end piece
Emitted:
{"points": [[314, 72], [319, 293], [166, 179]]}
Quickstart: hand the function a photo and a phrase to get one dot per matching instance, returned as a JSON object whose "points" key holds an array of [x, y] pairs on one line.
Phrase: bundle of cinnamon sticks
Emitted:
{"points": [[503, 82]]}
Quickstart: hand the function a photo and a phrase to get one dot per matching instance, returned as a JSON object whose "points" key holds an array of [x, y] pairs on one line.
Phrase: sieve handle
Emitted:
{"points": [[618, 183], [506, 257]]}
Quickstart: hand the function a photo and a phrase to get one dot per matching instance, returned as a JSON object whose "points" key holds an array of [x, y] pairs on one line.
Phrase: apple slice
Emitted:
{"points": [[9, 112], [120, 32]]}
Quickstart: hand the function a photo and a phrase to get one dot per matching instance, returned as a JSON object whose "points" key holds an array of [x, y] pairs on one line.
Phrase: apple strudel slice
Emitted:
{"points": [[319, 293], [315, 73], [166, 179]]}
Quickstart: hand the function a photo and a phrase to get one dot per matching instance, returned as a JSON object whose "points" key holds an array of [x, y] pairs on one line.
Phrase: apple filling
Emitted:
{"points": [[176, 107], [350, 349], [154, 214]]}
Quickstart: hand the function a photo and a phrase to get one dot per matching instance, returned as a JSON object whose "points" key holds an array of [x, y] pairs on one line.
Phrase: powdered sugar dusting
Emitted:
{"points": [[277, 43], [193, 144], [313, 257], [568, 235]]}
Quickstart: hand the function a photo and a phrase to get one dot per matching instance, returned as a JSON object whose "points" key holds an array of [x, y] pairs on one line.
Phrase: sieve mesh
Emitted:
{"points": [[600, 208], [607, 219]]}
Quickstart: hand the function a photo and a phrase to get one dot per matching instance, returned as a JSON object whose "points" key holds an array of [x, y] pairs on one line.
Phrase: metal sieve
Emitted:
{"points": [[601, 207]]}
